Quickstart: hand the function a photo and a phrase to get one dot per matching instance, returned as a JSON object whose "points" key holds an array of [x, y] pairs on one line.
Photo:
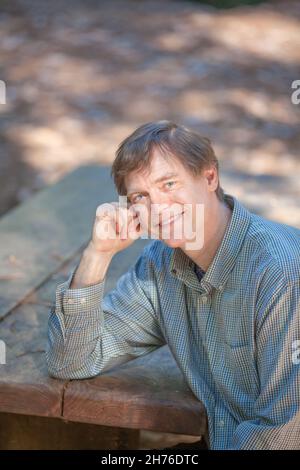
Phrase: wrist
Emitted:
{"points": [[91, 252], [92, 268]]}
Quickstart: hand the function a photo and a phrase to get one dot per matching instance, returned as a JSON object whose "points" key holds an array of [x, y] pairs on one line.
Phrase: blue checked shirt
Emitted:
{"points": [[234, 331]]}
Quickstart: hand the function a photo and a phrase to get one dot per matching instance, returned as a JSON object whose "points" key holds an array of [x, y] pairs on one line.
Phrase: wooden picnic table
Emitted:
{"points": [[40, 242]]}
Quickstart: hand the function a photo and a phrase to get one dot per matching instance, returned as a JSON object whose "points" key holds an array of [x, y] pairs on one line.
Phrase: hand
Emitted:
{"points": [[115, 228]]}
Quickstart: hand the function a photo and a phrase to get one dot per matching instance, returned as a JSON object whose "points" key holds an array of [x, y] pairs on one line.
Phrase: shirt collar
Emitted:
{"points": [[217, 273]]}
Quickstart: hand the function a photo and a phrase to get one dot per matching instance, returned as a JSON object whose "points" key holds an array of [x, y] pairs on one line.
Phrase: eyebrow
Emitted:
{"points": [[158, 180]]}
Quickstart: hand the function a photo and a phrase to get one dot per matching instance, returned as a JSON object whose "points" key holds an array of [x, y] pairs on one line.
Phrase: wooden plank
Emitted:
{"points": [[145, 393], [18, 432], [119, 265], [38, 236], [25, 386]]}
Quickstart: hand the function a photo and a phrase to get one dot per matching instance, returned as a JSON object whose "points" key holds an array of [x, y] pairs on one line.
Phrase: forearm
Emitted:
{"points": [[92, 268], [89, 333], [74, 331]]}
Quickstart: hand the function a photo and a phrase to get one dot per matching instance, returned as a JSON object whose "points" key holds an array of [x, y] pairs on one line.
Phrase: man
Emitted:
{"points": [[225, 296]]}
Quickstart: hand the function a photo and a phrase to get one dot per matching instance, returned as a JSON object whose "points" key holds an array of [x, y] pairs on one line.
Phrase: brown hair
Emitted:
{"points": [[191, 149]]}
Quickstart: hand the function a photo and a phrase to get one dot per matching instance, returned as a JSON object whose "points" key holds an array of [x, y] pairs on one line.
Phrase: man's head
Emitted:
{"points": [[171, 167]]}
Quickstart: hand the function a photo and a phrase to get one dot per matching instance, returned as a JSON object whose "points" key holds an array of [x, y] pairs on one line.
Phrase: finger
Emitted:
{"points": [[105, 229], [134, 229], [105, 210], [125, 218]]}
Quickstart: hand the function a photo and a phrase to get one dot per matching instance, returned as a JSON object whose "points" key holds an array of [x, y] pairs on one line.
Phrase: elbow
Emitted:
{"points": [[55, 368], [68, 371], [57, 374], [55, 371]]}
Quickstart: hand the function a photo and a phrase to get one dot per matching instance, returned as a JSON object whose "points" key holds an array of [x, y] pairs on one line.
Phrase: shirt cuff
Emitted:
{"points": [[84, 299]]}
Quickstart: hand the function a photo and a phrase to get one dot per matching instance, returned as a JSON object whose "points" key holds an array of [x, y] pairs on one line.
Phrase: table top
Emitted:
{"points": [[41, 241]]}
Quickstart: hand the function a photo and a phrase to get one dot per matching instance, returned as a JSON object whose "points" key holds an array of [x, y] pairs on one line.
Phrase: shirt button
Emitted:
{"points": [[221, 423], [83, 300], [70, 301]]}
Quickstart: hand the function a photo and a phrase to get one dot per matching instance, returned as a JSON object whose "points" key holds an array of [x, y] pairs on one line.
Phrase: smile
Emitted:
{"points": [[171, 220]]}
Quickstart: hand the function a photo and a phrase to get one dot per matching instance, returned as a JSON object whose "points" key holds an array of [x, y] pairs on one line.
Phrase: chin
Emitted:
{"points": [[174, 243]]}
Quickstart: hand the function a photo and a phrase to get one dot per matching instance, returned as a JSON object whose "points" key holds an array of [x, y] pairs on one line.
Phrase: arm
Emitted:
{"points": [[277, 409], [89, 333]]}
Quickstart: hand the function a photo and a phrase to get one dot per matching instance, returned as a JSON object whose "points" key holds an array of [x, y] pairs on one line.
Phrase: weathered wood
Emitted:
{"points": [[45, 295], [25, 386], [43, 240], [146, 393], [18, 432], [38, 236]]}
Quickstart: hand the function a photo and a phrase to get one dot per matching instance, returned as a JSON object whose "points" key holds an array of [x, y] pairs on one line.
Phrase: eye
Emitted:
{"points": [[170, 183], [136, 197]]}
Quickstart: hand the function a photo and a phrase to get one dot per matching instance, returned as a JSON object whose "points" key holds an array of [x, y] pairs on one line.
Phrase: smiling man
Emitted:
{"points": [[224, 293]]}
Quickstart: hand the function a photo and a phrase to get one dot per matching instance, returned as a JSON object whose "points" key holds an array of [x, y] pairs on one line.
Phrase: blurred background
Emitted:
{"points": [[83, 74]]}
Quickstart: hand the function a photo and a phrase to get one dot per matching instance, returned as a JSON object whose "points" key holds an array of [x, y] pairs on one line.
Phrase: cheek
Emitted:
{"points": [[147, 219], [184, 197], [181, 196]]}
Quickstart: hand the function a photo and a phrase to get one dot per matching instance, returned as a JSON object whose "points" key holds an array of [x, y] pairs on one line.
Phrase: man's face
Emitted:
{"points": [[170, 201]]}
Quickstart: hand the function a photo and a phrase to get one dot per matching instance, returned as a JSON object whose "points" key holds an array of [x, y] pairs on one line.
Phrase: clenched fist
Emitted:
{"points": [[115, 228]]}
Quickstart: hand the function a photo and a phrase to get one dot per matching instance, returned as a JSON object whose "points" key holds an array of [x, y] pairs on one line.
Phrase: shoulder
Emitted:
{"points": [[275, 249]]}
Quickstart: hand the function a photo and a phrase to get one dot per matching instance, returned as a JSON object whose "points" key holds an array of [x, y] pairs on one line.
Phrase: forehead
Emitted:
{"points": [[159, 166]]}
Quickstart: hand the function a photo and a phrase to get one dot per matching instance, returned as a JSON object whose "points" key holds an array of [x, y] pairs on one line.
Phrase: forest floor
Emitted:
{"points": [[82, 75]]}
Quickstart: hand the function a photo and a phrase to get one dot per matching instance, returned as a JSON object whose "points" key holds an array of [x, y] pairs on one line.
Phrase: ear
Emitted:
{"points": [[212, 178]]}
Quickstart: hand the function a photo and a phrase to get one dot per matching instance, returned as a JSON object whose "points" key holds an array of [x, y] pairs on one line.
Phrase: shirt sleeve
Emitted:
{"points": [[89, 334], [277, 408]]}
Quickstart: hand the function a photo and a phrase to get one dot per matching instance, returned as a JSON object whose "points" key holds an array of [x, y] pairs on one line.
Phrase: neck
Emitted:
{"points": [[213, 235]]}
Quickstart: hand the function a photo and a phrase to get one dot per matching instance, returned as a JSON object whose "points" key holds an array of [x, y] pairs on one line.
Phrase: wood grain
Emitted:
{"points": [[145, 393], [39, 235], [18, 432], [25, 386], [40, 243]]}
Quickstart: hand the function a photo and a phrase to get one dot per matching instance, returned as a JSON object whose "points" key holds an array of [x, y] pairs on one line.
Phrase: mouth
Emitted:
{"points": [[171, 220]]}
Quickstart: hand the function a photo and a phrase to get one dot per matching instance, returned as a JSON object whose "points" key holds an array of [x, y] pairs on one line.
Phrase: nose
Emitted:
{"points": [[158, 197], [159, 203]]}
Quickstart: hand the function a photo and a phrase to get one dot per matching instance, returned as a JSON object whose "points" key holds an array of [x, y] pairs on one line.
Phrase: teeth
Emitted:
{"points": [[171, 220], [165, 223]]}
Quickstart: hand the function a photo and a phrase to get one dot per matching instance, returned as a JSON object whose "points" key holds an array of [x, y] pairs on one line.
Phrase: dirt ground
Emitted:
{"points": [[82, 74]]}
